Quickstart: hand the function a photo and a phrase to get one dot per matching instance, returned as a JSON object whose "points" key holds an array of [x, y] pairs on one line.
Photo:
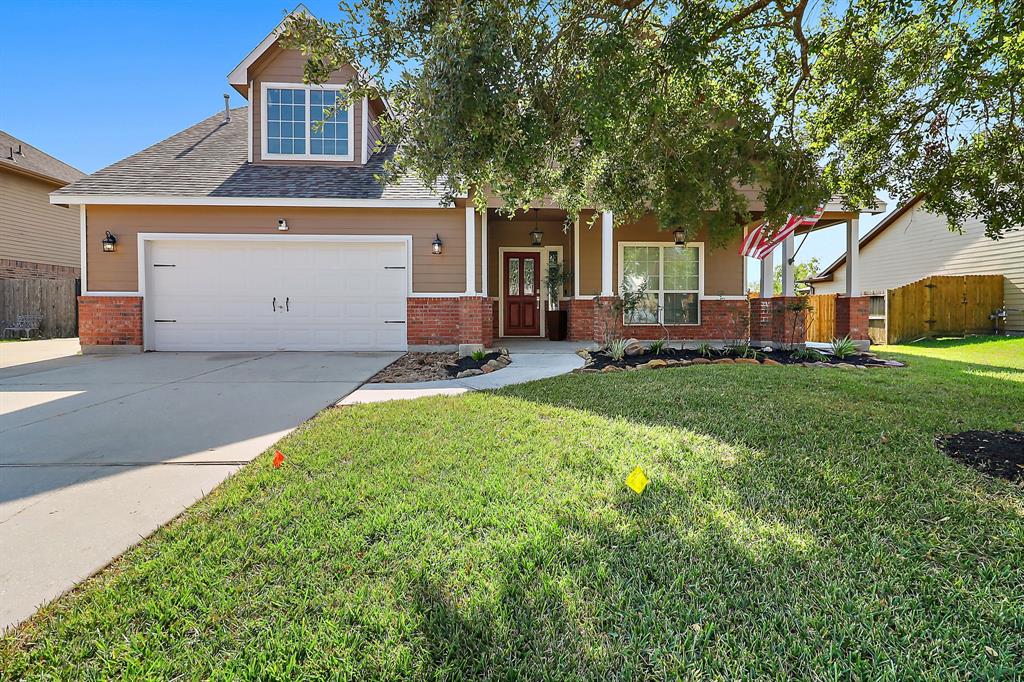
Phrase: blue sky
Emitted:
{"points": [[92, 82]]}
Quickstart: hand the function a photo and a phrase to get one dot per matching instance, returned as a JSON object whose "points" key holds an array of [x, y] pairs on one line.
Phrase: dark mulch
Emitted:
{"points": [[600, 359], [996, 453], [414, 367]]}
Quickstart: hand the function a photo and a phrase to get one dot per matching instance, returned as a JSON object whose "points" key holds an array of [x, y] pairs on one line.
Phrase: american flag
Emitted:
{"points": [[760, 241]]}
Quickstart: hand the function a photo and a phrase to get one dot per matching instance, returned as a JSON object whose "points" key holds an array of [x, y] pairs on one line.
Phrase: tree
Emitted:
{"points": [[674, 107]]}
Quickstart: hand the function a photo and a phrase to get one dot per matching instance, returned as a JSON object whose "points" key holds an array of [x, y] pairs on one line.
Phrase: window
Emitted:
{"points": [[296, 125], [673, 278]]}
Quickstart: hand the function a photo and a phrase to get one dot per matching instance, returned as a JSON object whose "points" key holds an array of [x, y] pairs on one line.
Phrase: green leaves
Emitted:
{"points": [[700, 111]]}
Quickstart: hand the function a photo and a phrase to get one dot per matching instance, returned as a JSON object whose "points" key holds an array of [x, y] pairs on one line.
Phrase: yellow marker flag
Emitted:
{"points": [[637, 480]]}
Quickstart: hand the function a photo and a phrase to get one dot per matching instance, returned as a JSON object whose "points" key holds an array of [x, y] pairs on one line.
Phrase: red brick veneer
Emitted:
{"points": [[852, 317], [21, 269], [719, 320], [110, 320], [439, 321], [770, 321], [581, 319]]}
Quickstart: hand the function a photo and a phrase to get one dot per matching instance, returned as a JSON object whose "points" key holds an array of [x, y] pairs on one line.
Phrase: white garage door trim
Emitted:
{"points": [[145, 237]]}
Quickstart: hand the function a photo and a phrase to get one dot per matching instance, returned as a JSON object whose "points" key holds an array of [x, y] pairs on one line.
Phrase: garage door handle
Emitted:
{"points": [[273, 304], [394, 321], [286, 308]]}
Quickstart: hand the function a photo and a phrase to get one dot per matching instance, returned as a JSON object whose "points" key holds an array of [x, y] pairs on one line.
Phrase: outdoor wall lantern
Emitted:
{"points": [[536, 235], [680, 237], [110, 243], [436, 245]]}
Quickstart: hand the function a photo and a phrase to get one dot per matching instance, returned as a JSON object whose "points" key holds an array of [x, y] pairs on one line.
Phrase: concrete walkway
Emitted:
{"points": [[531, 360]]}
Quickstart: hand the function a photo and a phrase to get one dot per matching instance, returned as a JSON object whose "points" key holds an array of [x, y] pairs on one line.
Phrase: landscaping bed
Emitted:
{"points": [[639, 356], [996, 453], [416, 367]]}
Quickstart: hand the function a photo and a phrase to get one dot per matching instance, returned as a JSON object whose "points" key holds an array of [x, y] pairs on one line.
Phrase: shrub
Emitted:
{"points": [[478, 355], [657, 346], [843, 348], [617, 349], [705, 350], [809, 355]]}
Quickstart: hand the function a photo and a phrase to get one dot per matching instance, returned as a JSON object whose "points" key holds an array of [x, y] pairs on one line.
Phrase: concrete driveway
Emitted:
{"points": [[97, 452]]}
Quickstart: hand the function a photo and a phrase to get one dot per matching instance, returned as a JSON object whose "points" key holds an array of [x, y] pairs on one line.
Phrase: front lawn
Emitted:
{"points": [[800, 523]]}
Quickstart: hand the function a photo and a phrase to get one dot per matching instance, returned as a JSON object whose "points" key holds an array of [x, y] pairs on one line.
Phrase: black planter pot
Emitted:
{"points": [[557, 322]]}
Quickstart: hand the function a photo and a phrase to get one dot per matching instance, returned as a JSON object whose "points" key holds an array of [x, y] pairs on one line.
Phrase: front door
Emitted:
{"points": [[521, 279]]}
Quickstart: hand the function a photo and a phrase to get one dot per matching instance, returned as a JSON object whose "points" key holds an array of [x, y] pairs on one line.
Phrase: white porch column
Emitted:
{"points": [[768, 275], [788, 283], [606, 253], [483, 253], [470, 251], [576, 258], [853, 257]]}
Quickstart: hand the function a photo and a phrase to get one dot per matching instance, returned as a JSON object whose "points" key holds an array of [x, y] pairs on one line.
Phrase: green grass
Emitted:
{"points": [[800, 524]]}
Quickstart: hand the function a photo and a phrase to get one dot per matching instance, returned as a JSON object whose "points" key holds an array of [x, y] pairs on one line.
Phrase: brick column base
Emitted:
{"points": [[852, 317], [772, 320], [581, 319], [110, 323], [476, 315]]}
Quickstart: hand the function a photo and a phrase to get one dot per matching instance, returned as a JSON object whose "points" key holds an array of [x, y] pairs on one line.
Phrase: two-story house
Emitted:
{"points": [[264, 228]]}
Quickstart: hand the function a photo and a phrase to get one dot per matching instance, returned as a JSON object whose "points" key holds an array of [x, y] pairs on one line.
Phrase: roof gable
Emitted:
{"points": [[239, 76]]}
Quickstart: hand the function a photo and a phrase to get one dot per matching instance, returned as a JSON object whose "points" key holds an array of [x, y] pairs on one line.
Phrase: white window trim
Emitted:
{"points": [[308, 156], [661, 272]]}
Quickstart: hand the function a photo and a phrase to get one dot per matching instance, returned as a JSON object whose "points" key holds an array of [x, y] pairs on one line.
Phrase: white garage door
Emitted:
{"points": [[253, 295]]}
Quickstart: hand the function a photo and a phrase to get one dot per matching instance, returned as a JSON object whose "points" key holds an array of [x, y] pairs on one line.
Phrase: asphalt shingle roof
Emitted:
{"points": [[210, 160], [33, 160]]}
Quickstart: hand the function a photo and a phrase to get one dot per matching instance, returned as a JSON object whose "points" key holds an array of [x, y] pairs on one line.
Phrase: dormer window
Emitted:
{"points": [[296, 126]]}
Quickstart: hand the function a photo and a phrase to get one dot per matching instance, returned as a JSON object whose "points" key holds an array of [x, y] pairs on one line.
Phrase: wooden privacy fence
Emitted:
{"points": [[820, 317], [943, 305], [55, 299]]}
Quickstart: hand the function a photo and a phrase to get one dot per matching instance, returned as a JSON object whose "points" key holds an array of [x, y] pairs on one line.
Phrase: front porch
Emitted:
{"points": [[696, 292]]}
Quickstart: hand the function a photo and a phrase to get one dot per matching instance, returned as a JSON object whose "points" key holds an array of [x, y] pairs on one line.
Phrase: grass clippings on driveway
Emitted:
{"points": [[800, 523]]}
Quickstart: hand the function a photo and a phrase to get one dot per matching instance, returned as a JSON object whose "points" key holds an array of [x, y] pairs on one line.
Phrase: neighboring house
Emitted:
{"points": [[256, 230], [37, 239], [910, 244]]}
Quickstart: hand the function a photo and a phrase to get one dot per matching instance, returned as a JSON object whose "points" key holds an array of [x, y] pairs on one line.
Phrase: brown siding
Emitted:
{"points": [[723, 267], [285, 66], [31, 228], [431, 274], [372, 130], [513, 233]]}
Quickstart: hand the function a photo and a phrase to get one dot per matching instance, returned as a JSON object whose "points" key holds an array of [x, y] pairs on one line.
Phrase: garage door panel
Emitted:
{"points": [[329, 295]]}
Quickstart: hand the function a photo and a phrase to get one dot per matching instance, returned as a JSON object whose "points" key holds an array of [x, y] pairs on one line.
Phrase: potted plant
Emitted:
{"points": [[557, 320]]}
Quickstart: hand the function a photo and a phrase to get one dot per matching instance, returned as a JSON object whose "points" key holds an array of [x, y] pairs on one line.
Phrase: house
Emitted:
{"points": [[911, 243], [261, 229], [37, 239]]}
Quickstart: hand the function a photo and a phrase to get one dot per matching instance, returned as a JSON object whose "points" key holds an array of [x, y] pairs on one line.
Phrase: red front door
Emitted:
{"points": [[521, 279]]}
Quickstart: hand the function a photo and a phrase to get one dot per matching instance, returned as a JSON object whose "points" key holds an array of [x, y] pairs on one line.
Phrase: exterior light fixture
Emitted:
{"points": [[436, 245], [680, 237], [110, 243], [536, 235], [282, 225]]}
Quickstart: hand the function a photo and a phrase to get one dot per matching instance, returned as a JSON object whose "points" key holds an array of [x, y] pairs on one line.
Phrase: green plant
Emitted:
{"points": [[617, 349], [809, 355], [843, 348], [657, 346], [478, 355], [555, 279], [705, 350]]}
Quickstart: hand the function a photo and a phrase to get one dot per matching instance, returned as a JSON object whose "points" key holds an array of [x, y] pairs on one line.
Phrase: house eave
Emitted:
{"points": [[329, 202]]}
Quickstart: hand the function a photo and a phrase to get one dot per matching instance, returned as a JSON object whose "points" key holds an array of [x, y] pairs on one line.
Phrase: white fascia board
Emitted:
{"points": [[143, 200], [240, 74]]}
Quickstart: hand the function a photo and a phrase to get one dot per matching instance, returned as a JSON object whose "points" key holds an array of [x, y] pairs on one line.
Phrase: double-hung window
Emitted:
{"points": [[299, 123], [673, 278]]}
